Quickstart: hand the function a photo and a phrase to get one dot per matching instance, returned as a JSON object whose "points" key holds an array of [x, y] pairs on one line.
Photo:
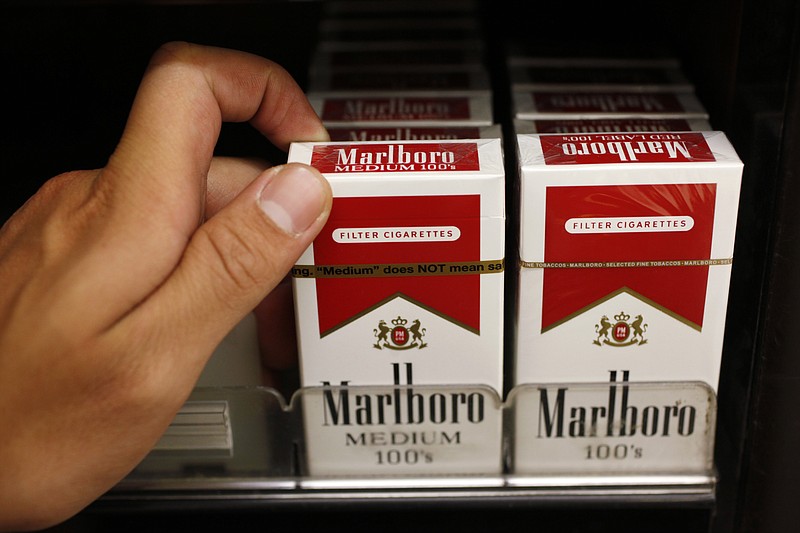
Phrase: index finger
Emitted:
{"points": [[185, 95], [153, 189]]}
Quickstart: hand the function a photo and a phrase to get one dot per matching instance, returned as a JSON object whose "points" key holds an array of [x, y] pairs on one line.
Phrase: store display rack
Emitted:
{"points": [[613, 441]]}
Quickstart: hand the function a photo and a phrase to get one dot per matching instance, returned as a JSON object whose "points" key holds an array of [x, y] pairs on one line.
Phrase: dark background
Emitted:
{"points": [[70, 71]]}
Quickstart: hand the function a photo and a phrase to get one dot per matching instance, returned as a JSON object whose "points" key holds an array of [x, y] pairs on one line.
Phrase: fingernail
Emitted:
{"points": [[293, 199], [322, 134]]}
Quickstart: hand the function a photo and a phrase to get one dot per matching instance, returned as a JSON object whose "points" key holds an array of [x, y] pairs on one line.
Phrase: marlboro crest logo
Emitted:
{"points": [[398, 336], [622, 332]]}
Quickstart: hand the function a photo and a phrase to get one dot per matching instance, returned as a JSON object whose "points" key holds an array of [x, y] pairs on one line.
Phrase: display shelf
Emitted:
{"points": [[616, 441]]}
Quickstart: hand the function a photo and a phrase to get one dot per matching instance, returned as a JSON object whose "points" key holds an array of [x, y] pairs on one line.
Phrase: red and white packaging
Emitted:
{"points": [[592, 104], [413, 133], [408, 271], [626, 246], [610, 125], [400, 109], [597, 74]]}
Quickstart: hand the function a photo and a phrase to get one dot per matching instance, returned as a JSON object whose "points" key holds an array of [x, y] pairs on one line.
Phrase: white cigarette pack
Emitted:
{"points": [[610, 125], [391, 80], [626, 246], [436, 108], [408, 270], [413, 133], [598, 74], [591, 104], [388, 55]]}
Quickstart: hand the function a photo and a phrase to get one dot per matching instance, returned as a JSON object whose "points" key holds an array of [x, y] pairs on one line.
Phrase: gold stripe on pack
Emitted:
{"points": [[392, 270], [626, 264], [407, 299], [631, 292]]}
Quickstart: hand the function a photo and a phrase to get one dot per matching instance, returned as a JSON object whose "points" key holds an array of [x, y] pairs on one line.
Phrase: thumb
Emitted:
{"points": [[236, 258]]}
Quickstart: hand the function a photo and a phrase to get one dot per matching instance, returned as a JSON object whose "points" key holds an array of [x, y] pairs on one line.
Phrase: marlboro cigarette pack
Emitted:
{"points": [[590, 103], [400, 109], [599, 74], [409, 268], [610, 125], [626, 246], [413, 133], [459, 79], [393, 54]]}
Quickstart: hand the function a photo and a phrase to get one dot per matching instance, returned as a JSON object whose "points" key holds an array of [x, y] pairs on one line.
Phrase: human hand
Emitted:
{"points": [[118, 283], [274, 316]]}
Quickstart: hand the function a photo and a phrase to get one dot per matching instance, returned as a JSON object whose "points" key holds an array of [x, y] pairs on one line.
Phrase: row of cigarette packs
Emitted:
{"points": [[627, 217], [409, 270], [403, 72], [626, 224]]}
